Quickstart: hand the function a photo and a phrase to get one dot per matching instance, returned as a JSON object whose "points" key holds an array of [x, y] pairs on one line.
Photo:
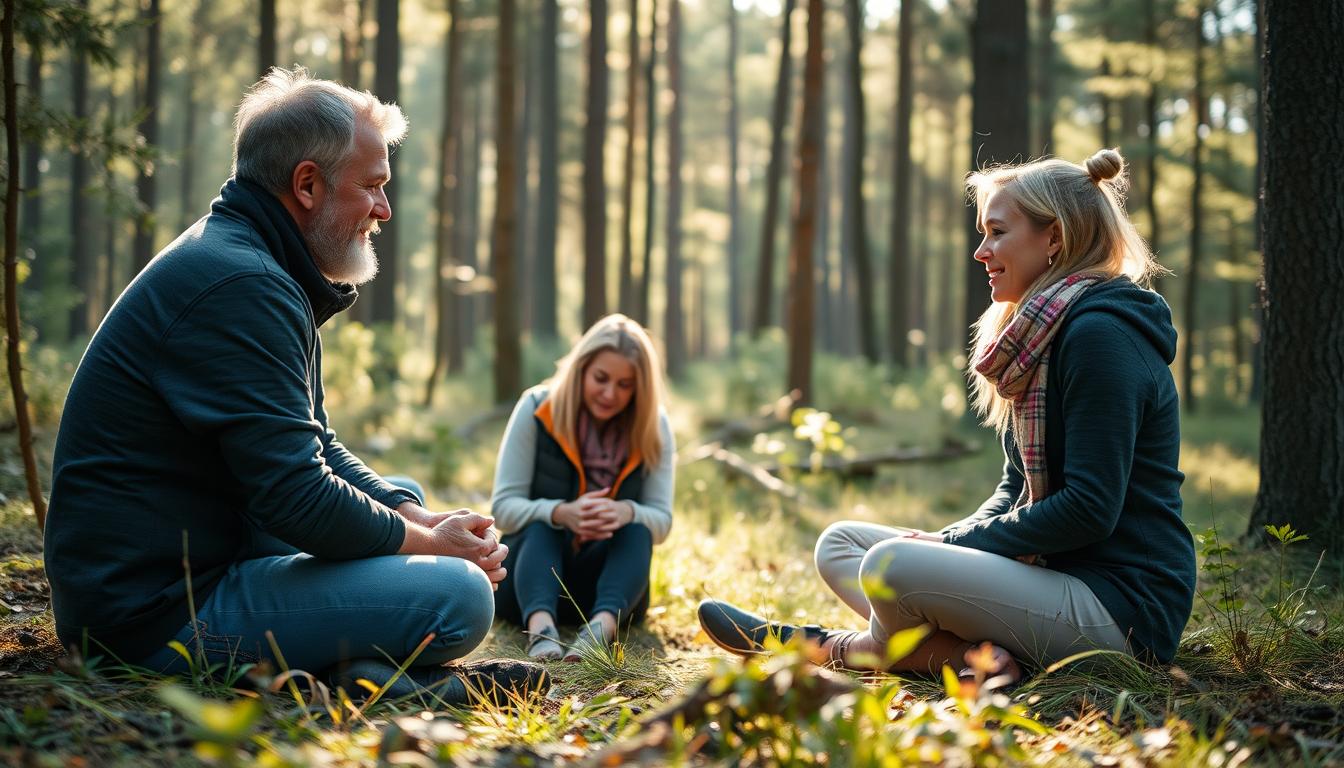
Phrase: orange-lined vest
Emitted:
{"points": [[558, 469]]}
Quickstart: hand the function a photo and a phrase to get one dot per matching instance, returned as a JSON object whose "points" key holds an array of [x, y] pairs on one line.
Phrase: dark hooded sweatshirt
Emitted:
{"points": [[1112, 442], [195, 420]]}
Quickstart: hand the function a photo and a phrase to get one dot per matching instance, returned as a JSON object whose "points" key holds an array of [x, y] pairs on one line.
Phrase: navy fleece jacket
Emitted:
{"points": [[195, 419], [1112, 443]]}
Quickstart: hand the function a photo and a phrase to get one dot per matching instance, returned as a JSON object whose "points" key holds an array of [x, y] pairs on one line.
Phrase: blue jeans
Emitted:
{"points": [[325, 612], [609, 575]]}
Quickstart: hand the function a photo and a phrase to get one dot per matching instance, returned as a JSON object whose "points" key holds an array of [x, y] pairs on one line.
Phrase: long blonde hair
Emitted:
{"points": [[1098, 239], [625, 337]]}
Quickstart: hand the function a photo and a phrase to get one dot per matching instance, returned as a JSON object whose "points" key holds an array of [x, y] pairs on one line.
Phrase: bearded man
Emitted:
{"points": [[199, 494]]}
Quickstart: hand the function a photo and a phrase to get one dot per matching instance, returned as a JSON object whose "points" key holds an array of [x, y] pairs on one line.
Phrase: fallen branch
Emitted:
{"points": [[866, 465], [744, 468]]}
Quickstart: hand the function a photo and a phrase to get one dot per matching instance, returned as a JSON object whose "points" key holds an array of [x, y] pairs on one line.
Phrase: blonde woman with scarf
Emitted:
{"points": [[583, 491], [1081, 546]]}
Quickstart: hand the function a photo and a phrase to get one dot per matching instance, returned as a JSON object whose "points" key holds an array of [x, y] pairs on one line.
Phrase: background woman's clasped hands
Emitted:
{"points": [[593, 516]]}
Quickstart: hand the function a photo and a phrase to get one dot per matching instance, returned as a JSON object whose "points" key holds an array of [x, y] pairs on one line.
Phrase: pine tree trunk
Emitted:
{"points": [[643, 313], [765, 265], [855, 217], [1190, 333], [674, 331], [13, 337], [1045, 76], [1302, 419], [821, 273], [735, 314], [146, 186], [626, 285], [594, 169], [1150, 190], [525, 265], [548, 165], [898, 265], [31, 231], [266, 45], [801, 277], [999, 127], [508, 352], [81, 259], [387, 86], [444, 278], [1257, 312]]}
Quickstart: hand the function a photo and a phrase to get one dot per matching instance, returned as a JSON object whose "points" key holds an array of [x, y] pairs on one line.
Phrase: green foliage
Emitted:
{"points": [[784, 710], [1257, 640]]}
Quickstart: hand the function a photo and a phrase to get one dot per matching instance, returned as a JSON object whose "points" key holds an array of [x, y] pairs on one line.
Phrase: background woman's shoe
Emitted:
{"points": [[592, 638], [743, 633], [544, 645]]}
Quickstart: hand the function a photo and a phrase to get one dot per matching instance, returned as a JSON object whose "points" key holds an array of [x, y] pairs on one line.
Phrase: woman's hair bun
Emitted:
{"points": [[1105, 164]]}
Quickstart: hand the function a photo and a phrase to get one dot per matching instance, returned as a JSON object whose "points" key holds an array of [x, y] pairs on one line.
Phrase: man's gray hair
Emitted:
{"points": [[289, 117]]}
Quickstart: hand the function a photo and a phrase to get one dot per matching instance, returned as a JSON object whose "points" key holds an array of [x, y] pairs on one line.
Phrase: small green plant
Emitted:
{"points": [[1254, 639]]}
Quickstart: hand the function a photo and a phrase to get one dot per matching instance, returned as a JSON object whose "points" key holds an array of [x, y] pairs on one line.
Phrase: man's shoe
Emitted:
{"points": [[496, 681], [743, 633]]}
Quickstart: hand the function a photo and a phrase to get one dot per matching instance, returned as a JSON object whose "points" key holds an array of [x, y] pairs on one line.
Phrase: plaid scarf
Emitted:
{"points": [[1017, 364]]}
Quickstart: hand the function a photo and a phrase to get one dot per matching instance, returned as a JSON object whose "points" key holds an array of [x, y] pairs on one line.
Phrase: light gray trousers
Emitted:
{"points": [[898, 582]]}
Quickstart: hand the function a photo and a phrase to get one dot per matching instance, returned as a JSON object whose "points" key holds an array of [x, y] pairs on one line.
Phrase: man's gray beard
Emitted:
{"points": [[341, 257]]}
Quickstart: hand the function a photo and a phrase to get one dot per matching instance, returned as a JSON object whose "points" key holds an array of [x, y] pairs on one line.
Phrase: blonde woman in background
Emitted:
{"points": [[1082, 545], [583, 491]]}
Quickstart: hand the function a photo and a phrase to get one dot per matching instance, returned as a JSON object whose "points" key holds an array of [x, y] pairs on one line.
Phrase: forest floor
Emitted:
{"points": [[1259, 679]]}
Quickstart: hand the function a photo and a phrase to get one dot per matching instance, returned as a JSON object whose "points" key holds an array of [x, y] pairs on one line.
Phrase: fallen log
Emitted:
{"points": [[866, 465], [743, 468]]}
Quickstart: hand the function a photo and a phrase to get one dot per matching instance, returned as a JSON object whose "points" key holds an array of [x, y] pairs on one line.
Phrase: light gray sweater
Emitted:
{"points": [[514, 509]]}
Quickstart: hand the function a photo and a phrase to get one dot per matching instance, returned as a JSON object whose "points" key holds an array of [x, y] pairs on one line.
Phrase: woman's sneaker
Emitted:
{"points": [[591, 639], [544, 645]]}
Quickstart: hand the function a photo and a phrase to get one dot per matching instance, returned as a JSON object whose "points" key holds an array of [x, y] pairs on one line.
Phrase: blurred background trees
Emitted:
{"points": [[923, 91], [693, 115]]}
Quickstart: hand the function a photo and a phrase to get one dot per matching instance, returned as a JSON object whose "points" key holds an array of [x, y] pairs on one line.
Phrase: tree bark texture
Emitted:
{"points": [[805, 209], [765, 264], [13, 337], [1302, 419], [594, 169]]}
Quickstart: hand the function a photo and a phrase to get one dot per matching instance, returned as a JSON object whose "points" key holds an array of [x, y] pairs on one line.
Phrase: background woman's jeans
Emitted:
{"points": [[608, 575], [323, 612]]}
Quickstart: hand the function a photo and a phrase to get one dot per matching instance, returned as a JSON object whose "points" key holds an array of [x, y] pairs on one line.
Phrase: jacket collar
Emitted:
{"points": [[265, 213]]}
